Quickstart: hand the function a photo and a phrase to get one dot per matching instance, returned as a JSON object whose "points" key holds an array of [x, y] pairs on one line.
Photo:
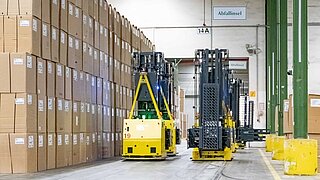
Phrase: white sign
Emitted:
{"points": [[229, 13], [203, 30], [238, 65]]}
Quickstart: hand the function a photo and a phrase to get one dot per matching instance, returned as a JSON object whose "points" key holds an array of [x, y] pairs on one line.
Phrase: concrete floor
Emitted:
{"points": [[247, 164]]}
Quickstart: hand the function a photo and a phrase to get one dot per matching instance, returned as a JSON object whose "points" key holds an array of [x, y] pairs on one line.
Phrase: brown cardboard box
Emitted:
{"points": [[41, 77], [94, 146], [99, 118], [286, 123], [64, 15], [96, 9], [13, 7], [67, 116], [76, 148], [313, 113], [76, 117], [45, 16], [106, 67], [99, 142], [105, 93], [42, 152], [51, 151], [101, 37], [55, 13], [117, 96], [30, 7], [105, 38], [116, 71], [124, 97], [94, 89], [78, 54], [3, 7], [118, 119], [82, 85], [129, 100], [83, 144], [112, 140], [7, 112], [91, 31], [63, 52], [87, 58], [10, 33], [29, 35], [96, 62], [60, 115], [111, 68], [106, 145], [94, 118], [60, 81], [24, 152], [85, 6], [60, 151], [51, 115], [88, 88], [99, 91], [74, 20], [88, 118], [5, 73], [113, 119], [68, 148], [85, 27], [55, 44], [111, 18], [5, 156], [51, 79], [88, 147], [117, 47], [26, 113], [76, 86], [1, 32], [68, 83], [46, 42], [116, 22], [23, 73], [42, 114], [102, 68], [106, 118], [103, 12], [112, 94], [83, 113], [96, 34], [71, 52]]}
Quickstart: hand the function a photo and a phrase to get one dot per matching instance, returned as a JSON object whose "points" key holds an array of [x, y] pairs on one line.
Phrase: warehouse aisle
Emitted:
{"points": [[248, 164]]}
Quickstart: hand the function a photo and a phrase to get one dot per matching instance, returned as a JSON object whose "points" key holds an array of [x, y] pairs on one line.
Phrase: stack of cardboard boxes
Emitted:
{"points": [[66, 86], [313, 118], [181, 116]]}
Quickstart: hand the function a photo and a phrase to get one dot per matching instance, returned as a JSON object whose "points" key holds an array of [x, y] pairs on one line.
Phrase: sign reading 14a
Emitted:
{"points": [[203, 30]]}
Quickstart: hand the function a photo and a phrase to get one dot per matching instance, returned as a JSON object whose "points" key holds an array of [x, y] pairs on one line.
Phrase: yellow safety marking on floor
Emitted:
{"points": [[271, 169]]}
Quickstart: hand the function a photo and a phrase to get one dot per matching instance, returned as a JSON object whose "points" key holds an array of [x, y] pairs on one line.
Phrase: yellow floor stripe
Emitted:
{"points": [[271, 169]]}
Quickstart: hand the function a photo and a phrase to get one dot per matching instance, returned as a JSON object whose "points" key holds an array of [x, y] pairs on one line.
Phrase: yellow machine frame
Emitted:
{"points": [[141, 146]]}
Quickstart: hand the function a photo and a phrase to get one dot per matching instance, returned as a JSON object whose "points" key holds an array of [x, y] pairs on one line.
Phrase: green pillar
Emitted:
{"points": [[272, 78], [300, 68], [283, 58]]}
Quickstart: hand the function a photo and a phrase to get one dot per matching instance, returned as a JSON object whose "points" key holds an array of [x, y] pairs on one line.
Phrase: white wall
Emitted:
{"points": [[181, 43]]}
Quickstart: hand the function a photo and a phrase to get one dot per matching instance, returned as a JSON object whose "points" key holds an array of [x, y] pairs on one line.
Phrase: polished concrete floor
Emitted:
{"points": [[251, 163]]}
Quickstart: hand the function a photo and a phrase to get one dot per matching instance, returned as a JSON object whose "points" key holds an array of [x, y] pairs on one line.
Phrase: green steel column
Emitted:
{"points": [[300, 68], [283, 57], [272, 78]]}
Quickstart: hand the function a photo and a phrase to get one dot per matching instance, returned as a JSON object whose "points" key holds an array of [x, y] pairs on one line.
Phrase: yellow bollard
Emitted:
{"points": [[269, 142], [278, 148], [300, 157]]}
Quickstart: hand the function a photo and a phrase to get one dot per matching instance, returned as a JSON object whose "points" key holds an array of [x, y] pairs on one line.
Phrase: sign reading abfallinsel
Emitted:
{"points": [[229, 13]]}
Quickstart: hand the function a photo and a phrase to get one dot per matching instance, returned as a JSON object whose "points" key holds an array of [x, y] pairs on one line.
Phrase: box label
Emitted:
{"points": [[93, 138], [29, 99], [34, 25], [82, 108], [108, 137], [84, 47], [59, 70], [84, 19], [95, 55], [59, 140], [75, 139], [108, 111], [30, 142], [24, 23], [77, 44], [88, 140], [45, 30], [112, 137], [90, 50], [59, 104], [81, 137], [70, 9], [75, 75], [40, 106], [70, 42], [75, 107], [40, 67], [62, 37], [29, 62], [19, 101], [104, 111], [77, 121], [49, 68], [66, 106], [40, 141], [90, 22], [66, 139], [67, 72], [50, 107], [18, 61], [315, 102], [63, 4], [50, 139], [93, 82], [88, 108], [54, 34], [101, 29], [77, 12], [93, 109], [55, 2], [19, 141]]}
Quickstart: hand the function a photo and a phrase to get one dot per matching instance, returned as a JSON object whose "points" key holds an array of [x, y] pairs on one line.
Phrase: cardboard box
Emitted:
{"points": [[85, 27], [55, 44], [5, 73], [60, 115], [106, 145], [91, 31], [88, 118], [94, 146], [94, 118], [75, 148], [30, 7], [96, 62], [83, 113], [82, 85], [103, 12], [3, 7], [23, 73], [51, 115], [68, 83], [78, 54], [105, 92], [76, 115], [88, 88], [46, 41], [113, 119], [10, 34], [102, 69], [29, 35], [5, 154], [51, 79], [87, 58], [55, 13], [83, 144], [93, 89], [313, 113], [106, 67], [71, 52], [68, 148], [76, 86], [88, 147], [96, 9], [51, 151], [117, 23], [124, 98], [1, 32], [60, 81], [41, 77], [60, 151], [68, 116], [42, 152], [63, 52], [13, 7], [42, 114], [99, 142], [7, 113], [63, 15], [106, 119], [111, 68], [96, 34], [74, 20], [45, 16], [26, 113], [99, 118], [287, 128], [99, 91], [24, 152]]}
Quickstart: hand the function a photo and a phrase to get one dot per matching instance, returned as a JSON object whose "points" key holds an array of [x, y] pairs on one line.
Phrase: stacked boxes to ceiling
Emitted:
{"points": [[65, 73]]}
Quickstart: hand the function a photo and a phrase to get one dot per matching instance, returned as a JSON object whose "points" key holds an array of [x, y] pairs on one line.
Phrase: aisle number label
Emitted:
{"points": [[203, 30]]}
